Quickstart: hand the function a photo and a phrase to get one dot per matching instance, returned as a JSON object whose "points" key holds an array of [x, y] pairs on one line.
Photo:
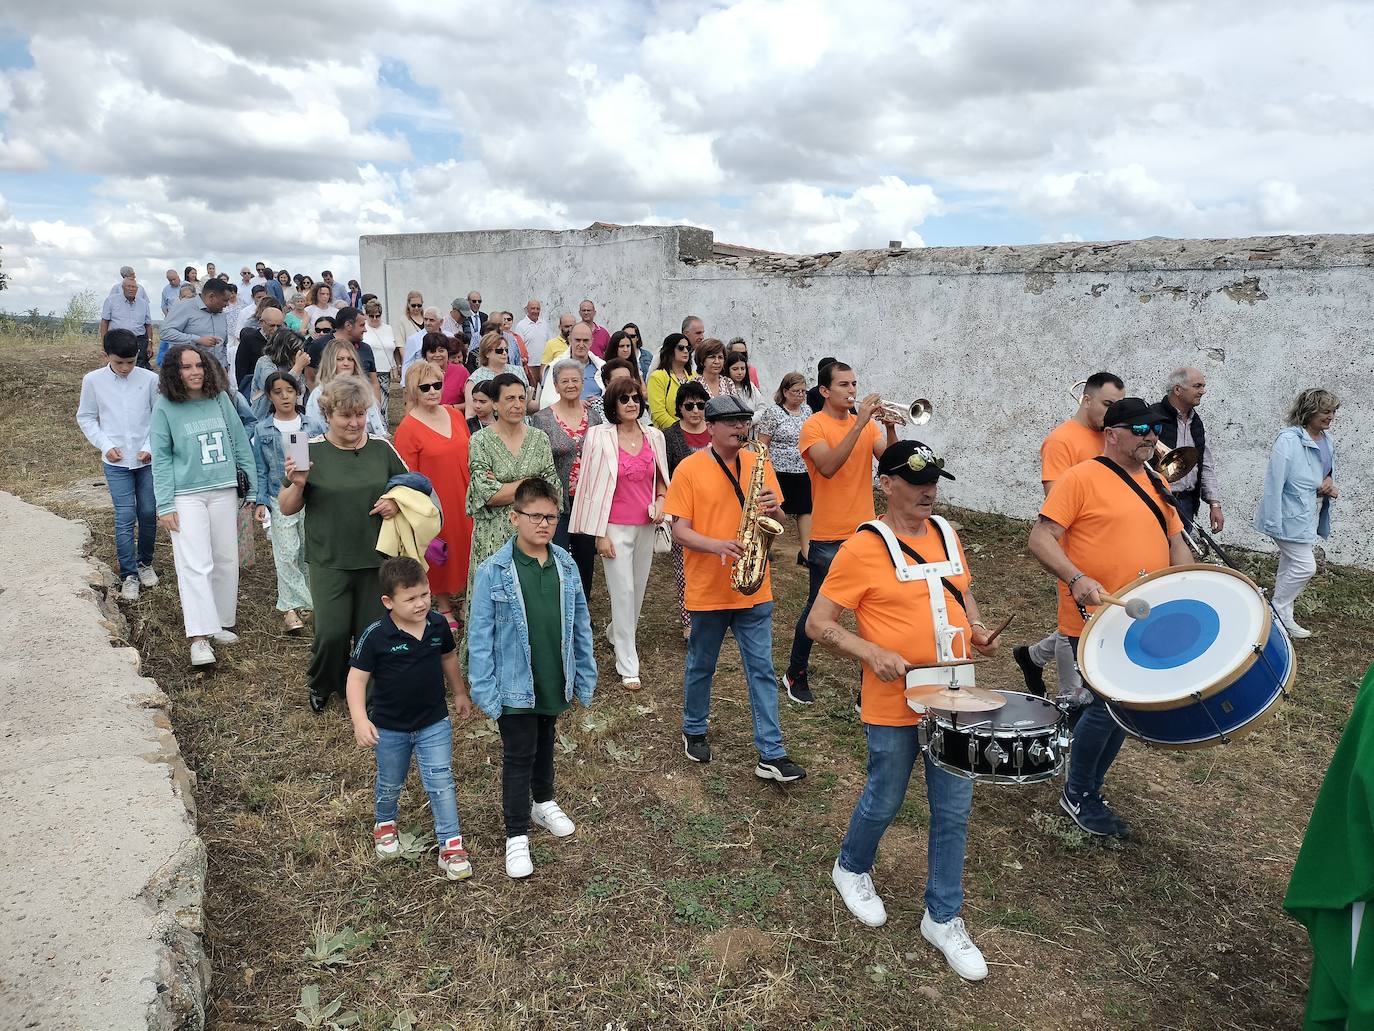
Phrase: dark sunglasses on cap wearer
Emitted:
{"points": [[323, 328], [427, 387], [1144, 430]]}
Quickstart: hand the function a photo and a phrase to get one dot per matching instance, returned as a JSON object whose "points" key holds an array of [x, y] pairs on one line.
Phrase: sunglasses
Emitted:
{"points": [[1144, 430], [694, 406], [500, 350], [427, 387], [631, 336], [634, 399], [539, 518], [682, 347], [918, 461]]}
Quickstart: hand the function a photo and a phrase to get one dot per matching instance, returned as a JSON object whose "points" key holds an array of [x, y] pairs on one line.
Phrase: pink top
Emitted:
{"points": [[634, 487], [455, 380], [601, 337]]}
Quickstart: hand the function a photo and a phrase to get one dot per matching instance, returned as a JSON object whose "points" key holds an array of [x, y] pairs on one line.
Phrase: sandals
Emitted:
{"points": [[293, 622]]}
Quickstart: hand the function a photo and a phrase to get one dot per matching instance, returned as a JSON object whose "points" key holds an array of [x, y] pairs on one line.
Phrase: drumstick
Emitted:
{"points": [[1136, 608], [1001, 626]]}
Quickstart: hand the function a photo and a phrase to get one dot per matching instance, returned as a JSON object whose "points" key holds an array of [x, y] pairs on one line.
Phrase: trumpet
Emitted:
{"points": [[917, 413]]}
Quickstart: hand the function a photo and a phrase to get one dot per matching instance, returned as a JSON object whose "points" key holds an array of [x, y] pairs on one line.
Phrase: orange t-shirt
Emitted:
{"points": [[1068, 444], [891, 614], [1109, 532], [700, 491], [839, 504]]}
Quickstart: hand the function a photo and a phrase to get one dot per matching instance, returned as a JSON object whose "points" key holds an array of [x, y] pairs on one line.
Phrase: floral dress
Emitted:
{"points": [[487, 453]]}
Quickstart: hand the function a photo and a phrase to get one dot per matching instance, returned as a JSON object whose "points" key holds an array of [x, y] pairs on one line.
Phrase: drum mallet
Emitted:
{"points": [[1136, 608]]}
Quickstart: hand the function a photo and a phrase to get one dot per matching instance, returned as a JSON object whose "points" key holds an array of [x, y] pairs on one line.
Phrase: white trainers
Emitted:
{"points": [[1290, 624], [953, 940], [146, 576], [552, 819], [859, 896], [225, 637], [129, 590], [201, 653], [518, 862]]}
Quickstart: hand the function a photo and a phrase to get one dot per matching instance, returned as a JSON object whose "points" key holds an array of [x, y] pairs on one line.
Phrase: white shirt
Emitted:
{"points": [[450, 328], [117, 411], [535, 335], [410, 354], [382, 340]]}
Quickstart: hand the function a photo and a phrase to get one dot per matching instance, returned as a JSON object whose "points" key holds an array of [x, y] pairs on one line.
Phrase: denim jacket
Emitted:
{"points": [[499, 671], [1290, 509], [271, 459]]}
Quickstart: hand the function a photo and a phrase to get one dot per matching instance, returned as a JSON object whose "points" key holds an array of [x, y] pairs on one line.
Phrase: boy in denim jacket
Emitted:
{"points": [[529, 653]]}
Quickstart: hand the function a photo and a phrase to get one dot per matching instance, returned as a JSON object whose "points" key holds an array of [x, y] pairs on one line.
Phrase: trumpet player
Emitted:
{"points": [[706, 498], [1184, 428], [839, 447]]}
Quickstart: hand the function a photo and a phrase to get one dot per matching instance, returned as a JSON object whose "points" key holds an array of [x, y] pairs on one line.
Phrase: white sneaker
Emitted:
{"points": [[1295, 631], [225, 637], [202, 654], [859, 896], [518, 862], [552, 819], [146, 576], [953, 940], [129, 591]]}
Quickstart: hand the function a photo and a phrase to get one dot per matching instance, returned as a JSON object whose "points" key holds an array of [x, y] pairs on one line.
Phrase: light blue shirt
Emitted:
{"points": [[191, 320], [122, 313], [117, 411], [170, 294], [1290, 509]]}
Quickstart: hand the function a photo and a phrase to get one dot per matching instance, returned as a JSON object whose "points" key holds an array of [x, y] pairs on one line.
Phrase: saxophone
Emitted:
{"points": [[755, 534]]}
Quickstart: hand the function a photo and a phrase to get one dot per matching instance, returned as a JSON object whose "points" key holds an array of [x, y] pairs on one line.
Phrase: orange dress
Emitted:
{"points": [[445, 461]]}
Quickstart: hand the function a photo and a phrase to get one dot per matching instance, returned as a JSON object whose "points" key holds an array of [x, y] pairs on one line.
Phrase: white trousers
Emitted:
{"points": [[1297, 565], [627, 575], [1056, 649], [206, 552]]}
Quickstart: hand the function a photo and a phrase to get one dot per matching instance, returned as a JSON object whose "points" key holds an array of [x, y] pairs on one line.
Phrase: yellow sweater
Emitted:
{"points": [[413, 527]]}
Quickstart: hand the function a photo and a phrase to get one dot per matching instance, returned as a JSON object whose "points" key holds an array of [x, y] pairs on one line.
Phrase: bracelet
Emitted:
{"points": [[978, 622], [1076, 577], [1214, 504]]}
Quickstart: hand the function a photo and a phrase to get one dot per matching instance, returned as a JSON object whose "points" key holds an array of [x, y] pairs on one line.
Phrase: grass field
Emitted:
{"points": [[699, 897]]}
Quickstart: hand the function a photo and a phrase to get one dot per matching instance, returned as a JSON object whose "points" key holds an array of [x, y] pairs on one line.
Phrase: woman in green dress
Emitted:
{"points": [[341, 495], [499, 457]]}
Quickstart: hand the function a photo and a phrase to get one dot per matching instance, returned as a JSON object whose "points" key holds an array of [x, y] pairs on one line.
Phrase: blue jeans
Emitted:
{"points": [[753, 629], [433, 748], [1096, 740], [1187, 508], [818, 559], [132, 492], [892, 755]]}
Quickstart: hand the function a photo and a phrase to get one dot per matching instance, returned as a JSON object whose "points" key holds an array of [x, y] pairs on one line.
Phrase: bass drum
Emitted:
{"points": [[1024, 742], [1207, 665]]}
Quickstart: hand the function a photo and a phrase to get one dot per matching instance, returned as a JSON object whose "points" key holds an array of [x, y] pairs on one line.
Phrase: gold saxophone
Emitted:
{"points": [[755, 534]]}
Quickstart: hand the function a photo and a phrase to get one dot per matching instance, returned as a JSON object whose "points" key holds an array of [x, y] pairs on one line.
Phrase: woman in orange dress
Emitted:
{"points": [[433, 440]]}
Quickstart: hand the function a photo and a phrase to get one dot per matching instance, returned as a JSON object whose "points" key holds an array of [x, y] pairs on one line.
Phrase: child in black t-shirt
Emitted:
{"points": [[408, 653]]}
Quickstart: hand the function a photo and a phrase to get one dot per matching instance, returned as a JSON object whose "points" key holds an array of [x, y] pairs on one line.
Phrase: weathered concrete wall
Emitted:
{"points": [[993, 335], [101, 871]]}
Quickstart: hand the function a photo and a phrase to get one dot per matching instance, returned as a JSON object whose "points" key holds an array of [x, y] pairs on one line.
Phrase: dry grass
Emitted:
{"points": [[700, 897]]}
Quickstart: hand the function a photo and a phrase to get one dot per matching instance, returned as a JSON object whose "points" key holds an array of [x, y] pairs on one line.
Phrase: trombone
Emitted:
{"points": [[917, 413], [1173, 464]]}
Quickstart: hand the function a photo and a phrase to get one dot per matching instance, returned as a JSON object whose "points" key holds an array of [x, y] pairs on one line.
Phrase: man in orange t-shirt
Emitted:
{"points": [[706, 498], [1075, 440], [838, 448], [1097, 535], [896, 634]]}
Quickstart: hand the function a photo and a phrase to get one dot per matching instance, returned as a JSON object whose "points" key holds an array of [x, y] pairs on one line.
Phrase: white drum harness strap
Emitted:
{"points": [[935, 574]]}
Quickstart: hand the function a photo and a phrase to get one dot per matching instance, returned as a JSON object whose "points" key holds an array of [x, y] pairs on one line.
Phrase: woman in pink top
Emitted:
{"points": [[621, 485]]}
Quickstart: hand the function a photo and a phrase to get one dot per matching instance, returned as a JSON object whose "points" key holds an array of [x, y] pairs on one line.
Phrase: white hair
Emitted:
{"points": [[1179, 378], [431, 310]]}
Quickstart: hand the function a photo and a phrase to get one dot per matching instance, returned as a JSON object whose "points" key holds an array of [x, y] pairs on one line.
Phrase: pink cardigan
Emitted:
{"points": [[596, 481]]}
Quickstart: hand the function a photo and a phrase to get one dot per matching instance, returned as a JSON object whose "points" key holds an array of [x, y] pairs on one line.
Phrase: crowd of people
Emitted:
{"points": [[527, 449]]}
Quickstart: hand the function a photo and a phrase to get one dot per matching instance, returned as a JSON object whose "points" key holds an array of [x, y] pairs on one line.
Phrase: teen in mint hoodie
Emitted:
{"points": [[199, 446]]}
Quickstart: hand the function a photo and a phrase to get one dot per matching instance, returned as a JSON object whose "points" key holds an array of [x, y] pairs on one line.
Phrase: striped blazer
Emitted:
{"points": [[591, 508]]}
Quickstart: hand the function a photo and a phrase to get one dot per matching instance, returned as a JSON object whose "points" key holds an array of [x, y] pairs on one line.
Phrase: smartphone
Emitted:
{"points": [[298, 448]]}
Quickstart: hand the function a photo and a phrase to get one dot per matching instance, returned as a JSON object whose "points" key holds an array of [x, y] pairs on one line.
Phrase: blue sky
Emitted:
{"points": [[133, 137]]}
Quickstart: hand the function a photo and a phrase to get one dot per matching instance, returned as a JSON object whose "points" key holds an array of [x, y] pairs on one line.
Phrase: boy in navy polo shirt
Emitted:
{"points": [[408, 653]]}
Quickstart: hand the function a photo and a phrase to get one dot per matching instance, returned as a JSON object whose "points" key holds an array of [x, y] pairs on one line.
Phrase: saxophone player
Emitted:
{"points": [[706, 498]]}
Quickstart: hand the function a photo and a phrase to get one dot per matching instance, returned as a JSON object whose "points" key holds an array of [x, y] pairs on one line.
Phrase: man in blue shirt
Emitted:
{"points": [[171, 291], [199, 320], [128, 309]]}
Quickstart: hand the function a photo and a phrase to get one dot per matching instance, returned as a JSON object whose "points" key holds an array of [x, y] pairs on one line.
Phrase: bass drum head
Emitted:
{"points": [[1205, 626], [1023, 713]]}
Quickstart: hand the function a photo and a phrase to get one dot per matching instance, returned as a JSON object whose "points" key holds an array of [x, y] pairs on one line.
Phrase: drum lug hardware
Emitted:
{"points": [[1037, 749], [995, 755], [937, 741], [972, 753], [1018, 752]]}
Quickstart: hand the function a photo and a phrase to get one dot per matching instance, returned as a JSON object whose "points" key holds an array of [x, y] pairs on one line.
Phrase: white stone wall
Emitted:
{"points": [[994, 336]]}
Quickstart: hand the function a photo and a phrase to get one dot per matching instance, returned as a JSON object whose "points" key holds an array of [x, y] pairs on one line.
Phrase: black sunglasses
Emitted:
{"points": [[427, 387], [693, 406], [1144, 430], [634, 399], [682, 347], [500, 350]]}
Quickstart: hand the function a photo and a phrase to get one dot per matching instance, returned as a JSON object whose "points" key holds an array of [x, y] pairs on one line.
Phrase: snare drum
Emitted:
{"points": [[1024, 742], [1205, 666]]}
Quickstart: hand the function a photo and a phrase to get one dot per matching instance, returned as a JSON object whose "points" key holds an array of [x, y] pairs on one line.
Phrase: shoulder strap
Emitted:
{"points": [[893, 542], [1130, 482]]}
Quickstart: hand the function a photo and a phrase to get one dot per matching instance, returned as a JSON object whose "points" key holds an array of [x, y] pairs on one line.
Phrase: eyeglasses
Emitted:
{"points": [[427, 387], [694, 406], [539, 518], [1143, 430], [631, 336]]}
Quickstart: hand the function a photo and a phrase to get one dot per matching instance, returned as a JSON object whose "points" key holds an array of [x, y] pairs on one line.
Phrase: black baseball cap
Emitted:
{"points": [[913, 462], [1133, 411]]}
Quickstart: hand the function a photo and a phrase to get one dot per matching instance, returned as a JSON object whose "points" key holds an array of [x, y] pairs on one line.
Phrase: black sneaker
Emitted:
{"points": [[696, 748], [1088, 811], [782, 769], [1123, 829], [797, 688], [318, 701], [1030, 672]]}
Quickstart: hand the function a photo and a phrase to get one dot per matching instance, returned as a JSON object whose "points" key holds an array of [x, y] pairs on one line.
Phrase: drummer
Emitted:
{"points": [[897, 633], [1096, 532]]}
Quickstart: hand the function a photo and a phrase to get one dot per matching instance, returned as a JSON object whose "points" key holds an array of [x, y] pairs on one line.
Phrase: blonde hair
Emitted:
{"points": [[345, 395], [420, 372], [488, 344], [1311, 403], [329, 360]]}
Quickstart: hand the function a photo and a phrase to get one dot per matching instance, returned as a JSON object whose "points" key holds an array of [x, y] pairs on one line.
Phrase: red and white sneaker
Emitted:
{"points": [[385, 841], [453, 860]]}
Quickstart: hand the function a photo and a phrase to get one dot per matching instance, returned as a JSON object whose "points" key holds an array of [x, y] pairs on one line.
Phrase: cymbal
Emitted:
{"points": [[955, 699]]}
